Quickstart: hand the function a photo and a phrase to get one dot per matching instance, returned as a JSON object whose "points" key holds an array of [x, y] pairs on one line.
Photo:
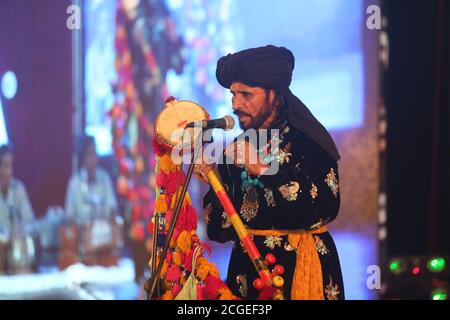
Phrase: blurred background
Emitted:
{"points": [[78, 104]]}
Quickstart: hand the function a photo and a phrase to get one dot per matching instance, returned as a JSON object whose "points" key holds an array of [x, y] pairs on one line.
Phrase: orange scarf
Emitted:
{"points": [[307, 283]]}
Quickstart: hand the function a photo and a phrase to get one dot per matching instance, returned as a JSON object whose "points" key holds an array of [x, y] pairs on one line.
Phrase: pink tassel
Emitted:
{"points": [[158, 148], [213, 284], [201, 293], [188, 218], [188, 260], [173, 273], [169, 257], [176, 289], [169, 181]]}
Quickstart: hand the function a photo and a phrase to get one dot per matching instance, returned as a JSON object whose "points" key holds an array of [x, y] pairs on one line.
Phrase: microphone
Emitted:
{"points": [[226, 123]]}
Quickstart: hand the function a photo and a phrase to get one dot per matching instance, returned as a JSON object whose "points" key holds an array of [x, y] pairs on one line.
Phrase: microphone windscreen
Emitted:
{"points": [[229, 122]]}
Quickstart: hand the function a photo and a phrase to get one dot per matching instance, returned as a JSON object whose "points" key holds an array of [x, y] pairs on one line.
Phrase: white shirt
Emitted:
{"points": [[85, 201], [16, 199]]}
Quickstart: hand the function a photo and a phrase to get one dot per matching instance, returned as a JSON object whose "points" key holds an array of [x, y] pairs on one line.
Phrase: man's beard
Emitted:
{"points": [[258, 120]]}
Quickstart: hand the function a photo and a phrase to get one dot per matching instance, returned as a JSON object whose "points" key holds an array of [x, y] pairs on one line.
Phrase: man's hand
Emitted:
{"points": [[201, 171], [245, 154]]}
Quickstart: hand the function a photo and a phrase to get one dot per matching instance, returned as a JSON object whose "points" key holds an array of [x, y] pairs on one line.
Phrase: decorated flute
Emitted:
{"points": [[244, 236]]}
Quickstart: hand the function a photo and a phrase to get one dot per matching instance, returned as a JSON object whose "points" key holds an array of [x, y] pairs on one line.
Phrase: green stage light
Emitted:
{"points": [[396, 266], [436, 264], [438, 294]]}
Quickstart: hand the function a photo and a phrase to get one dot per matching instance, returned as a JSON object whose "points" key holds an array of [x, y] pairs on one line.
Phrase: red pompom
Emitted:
{"points": [[258, 283], [270, 259], [176, 289], [169, 99], [159, 149], [278, 269], [173, 273], [213, 284], [188, 261], [187, 219], [266, 293], [170, 181]]}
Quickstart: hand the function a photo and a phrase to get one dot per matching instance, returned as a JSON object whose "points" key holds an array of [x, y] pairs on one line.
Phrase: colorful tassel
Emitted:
{"points": [[161, 204], [213, 284], [173, 273], [178, 258], [166, 165], [204, 268], [185, 238], [164, 269], [168, 295], [184, 241], [176, 289], [226, 294]]}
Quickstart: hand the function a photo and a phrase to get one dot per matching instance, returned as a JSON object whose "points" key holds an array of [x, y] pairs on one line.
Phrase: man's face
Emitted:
{"points": [[6, 167], [90, 158], [251, 104]]}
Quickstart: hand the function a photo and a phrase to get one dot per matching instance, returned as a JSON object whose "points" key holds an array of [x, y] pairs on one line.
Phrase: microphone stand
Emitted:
{"points": [[155, 242], [151, 284], [244, 237]]}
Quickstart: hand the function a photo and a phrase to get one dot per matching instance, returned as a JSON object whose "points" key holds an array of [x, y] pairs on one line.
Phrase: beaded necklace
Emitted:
{"points": [[250, 202]]}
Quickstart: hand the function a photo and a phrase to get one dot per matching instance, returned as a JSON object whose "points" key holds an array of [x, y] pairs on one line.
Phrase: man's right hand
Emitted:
{"points": [[201, 171]]}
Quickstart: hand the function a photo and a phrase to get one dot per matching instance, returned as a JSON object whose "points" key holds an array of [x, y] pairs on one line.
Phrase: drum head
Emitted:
{"points": [[170, 123]]}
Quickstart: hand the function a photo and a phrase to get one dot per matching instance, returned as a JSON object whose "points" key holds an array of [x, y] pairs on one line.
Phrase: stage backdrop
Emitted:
{"points": [[336, 75], [36, 96]]}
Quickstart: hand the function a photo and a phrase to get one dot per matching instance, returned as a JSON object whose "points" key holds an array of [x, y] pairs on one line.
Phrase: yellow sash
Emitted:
{"points": [[307, 283]]}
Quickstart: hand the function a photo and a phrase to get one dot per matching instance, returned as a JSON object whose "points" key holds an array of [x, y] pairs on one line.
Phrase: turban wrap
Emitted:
{"points": [[271, 67]]}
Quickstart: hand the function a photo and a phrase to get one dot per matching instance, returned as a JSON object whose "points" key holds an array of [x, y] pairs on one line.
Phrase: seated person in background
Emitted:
{"points": [[92, 204], [90, 193], [16, 218], [14, 202]]}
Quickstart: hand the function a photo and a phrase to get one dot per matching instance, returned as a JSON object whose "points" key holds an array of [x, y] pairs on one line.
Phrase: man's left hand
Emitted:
{"points": [[245, 154]]}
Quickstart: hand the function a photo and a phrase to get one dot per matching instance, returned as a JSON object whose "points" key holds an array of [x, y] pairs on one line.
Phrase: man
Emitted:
{"points": [[16, 214], [92, 204], [286, 213], [90, 193], [14, 202], [16, 217]]}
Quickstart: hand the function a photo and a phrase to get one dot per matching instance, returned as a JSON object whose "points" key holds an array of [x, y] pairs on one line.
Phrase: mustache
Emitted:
{"points": [[241, 113]]}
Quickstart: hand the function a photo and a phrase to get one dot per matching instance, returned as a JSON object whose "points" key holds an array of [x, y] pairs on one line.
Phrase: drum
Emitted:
{"points": [[3, 256], [4, 239], [101, 242], [98, 235], [21, 255], [68, 254], [170, 123]]}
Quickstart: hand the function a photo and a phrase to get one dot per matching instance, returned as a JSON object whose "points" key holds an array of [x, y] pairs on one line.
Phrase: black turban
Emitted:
{"points": [[271, 67]]}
